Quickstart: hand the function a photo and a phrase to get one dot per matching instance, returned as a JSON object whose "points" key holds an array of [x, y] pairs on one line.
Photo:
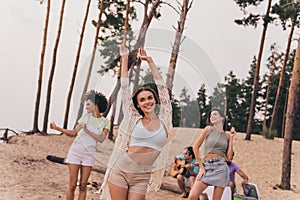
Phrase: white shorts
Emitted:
{"points": [[80, 155]]}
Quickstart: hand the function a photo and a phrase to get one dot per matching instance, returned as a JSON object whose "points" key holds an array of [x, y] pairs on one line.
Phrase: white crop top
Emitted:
{"points": [[153, 139]]}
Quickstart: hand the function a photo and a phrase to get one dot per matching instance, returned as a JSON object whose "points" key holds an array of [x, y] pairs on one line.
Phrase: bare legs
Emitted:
{"points": [[181, 184], [73, 174], [84, 176], [197, 190], [120, 193]]}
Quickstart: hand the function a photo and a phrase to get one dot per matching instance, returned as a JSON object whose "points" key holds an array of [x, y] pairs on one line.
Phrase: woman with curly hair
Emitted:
{"points": [[92, 127]]}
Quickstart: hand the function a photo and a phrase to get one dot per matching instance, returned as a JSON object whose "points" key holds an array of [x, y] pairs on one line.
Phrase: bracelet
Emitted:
{"points": [[126, 53]]}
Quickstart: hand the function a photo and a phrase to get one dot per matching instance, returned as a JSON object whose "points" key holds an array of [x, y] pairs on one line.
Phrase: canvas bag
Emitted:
{"points": [[250, 193]]}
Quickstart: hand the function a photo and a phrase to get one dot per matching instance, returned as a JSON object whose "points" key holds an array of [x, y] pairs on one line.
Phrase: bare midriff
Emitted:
{"points": [[142, 155], [140, 149], [212, 155]]}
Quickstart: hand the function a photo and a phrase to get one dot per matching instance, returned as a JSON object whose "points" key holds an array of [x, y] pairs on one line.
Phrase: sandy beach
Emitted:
{"points": [[27, 174]]}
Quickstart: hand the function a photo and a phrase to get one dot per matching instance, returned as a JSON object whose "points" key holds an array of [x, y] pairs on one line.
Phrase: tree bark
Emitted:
{"points": [[49, 88], [41, 68], [87, 80], [176, 45], [266, 104], [65, 124], [141, 38], [256, 78], [290, 116], [281, 81], [140, 43]]}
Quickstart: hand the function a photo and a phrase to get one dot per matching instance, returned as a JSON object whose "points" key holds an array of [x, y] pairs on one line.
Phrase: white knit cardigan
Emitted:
{"points": [[131, 116]]}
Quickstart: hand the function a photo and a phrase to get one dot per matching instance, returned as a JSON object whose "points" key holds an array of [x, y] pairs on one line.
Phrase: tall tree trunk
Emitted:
{"points": [[65, 125], [267, 102], [140, 43], [175, 49], [284, 113], [281, 81], [41, 68], [49, 88], [256, 77], [142, 36], [290, 116], [111, 101], [87, 80], [114, 96]]}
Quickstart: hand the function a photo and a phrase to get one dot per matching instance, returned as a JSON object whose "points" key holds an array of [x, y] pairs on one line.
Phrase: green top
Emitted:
{"points": [[95, 125]]}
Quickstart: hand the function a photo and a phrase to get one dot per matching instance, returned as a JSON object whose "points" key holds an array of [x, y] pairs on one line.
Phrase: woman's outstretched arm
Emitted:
{"points": [[143, 56], [65, 131], [124, 52]]}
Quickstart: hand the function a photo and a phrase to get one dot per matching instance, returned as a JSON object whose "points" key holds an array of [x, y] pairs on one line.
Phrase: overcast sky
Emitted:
{"points": [[214, 45]]}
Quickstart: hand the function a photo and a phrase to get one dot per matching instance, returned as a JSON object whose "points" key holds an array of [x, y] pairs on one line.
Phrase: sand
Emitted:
{"points": [[27, 174]]}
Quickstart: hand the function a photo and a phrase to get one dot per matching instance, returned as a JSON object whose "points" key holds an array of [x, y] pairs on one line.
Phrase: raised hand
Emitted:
{"points": [[53, 125], [232, 132], [143, 55]]}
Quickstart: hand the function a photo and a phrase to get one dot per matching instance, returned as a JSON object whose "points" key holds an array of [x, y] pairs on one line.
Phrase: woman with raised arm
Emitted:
{"points": [[216, 147], [138, 160], [91, 128]]}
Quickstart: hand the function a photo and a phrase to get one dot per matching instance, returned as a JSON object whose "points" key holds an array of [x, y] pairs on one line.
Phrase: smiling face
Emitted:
{"points": [[215, 117], [90, 106], [146, 101]]}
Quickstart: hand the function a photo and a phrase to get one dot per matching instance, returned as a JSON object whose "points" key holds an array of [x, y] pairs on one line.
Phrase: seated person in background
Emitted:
{"points": [[232, 169], [185, 169]]}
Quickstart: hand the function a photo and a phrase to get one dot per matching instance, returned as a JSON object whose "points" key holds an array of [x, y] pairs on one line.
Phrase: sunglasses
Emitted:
{"points": [[186, 151]]}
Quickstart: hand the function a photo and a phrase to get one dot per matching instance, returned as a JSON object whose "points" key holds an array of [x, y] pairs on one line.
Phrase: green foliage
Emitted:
{"points": [[203, 106], [269, 133], [252, 19], [270, 81], [287, 11], [112, 32], [245, 3], [274, 64], [217, 99], [176, 112], [233, 99], [246, 95]]}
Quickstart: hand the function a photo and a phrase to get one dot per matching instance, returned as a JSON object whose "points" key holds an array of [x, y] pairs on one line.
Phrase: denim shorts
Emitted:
{"points": [[217, 172]]}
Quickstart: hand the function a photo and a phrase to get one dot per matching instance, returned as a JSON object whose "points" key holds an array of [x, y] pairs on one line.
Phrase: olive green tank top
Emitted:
{"points": [[215, 142]]}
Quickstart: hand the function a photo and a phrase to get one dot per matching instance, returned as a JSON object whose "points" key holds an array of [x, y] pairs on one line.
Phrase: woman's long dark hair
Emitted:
{"points": [[221, 113], [137, 92]]}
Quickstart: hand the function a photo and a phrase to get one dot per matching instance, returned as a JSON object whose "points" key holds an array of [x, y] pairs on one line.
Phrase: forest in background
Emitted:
{"points": [[265, 104]]}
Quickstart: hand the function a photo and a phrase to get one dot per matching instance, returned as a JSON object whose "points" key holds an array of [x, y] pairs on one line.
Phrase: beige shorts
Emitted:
{"points": [[134, 182], [131, 174]]}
